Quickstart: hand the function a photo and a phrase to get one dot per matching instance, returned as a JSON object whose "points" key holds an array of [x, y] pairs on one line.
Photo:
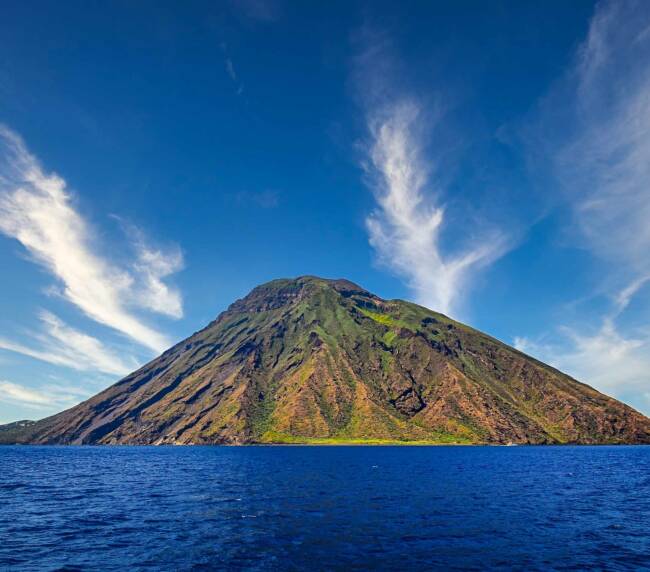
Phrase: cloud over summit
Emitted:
{"points": [[405, 229]]}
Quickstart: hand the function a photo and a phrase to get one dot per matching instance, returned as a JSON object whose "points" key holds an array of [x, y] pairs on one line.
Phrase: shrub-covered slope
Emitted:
{"points": [[324, 361]]}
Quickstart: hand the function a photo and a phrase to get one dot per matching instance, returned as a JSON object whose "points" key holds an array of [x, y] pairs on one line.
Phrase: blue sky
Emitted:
{"points": [[158, 160]]}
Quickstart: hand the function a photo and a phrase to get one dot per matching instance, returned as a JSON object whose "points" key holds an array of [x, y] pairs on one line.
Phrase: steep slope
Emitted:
{"points": [[314, 360]]}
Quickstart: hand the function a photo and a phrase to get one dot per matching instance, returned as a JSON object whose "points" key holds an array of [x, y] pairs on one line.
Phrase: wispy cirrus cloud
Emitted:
{"points": [[612, 361], [152, 266], [44, 398], [149, 268], [59, 344], [597, 135], [404, 172], [609, 360], [594, 132], [606, 359], [38, 211], [14, 392], [405, 228], [230, 69]]}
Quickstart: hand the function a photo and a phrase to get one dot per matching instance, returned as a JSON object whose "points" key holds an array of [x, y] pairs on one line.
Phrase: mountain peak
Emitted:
{"points": [[315, 360], [282, 291]]}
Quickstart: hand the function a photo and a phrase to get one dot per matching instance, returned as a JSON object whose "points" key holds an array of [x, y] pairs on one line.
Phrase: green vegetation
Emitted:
{"points": [[323, 362], [272, 438], [386, 320], [389, 337]]}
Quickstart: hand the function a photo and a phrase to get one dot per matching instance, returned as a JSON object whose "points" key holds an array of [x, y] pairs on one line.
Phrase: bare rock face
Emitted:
{"points": [[324, 361]]}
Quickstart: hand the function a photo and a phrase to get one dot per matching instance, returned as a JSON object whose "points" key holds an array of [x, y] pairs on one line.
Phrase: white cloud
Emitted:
{"points": [[623, 298], [606, 359], [406, 227], [150, 267], [44, 398], [603, 161], [62, 345], [36, 210], [230, 69], [154, 265], [612, 361], [595, 130], [14, 392]]}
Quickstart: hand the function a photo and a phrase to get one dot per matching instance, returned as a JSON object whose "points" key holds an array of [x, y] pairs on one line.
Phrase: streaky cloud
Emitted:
{"points": [[37, 210], [599, 143], [150, 266], [593, 130], [43, 398], [13, 392], [59, 344], [405, 228], [607, 359]]}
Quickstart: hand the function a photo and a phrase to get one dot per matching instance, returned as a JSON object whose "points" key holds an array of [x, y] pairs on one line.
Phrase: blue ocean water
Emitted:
{"points": [[324, 508]]}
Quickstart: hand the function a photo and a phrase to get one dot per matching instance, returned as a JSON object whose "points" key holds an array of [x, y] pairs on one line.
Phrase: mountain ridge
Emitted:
{"points": [[312, 360]]}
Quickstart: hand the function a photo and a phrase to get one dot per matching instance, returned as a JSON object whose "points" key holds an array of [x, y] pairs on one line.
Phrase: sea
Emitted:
{"points": [[325, 508]]}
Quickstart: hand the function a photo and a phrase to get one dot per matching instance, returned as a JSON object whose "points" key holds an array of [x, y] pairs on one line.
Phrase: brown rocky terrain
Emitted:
{"points": [[324, 361]]}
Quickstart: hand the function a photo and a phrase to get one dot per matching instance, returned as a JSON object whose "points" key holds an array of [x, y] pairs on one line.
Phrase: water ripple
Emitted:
{"points": [[324, 508]]}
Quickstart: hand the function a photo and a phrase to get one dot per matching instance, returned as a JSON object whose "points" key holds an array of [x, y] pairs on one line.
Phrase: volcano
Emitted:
{"points": [[311, 360]]}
